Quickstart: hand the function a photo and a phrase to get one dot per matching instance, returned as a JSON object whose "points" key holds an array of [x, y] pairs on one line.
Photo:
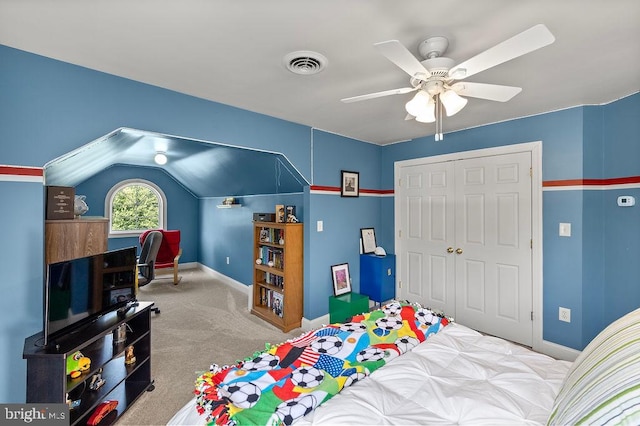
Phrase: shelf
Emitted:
{"points": [[281, 284], [228, 206], [47, 381]]}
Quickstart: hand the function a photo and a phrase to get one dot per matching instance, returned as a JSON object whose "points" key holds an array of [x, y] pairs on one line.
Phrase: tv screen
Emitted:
{"points": [[77, 291]]}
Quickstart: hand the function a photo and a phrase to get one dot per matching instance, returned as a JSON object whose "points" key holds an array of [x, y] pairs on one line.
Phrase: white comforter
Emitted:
{"points": [[456, 376]]}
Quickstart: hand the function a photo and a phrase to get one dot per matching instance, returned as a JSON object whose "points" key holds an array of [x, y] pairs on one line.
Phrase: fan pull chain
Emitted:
{"points": [[439, 135]]}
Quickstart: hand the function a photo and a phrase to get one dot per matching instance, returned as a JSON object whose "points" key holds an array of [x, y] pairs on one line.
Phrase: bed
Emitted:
{"points": [[420, 367]]}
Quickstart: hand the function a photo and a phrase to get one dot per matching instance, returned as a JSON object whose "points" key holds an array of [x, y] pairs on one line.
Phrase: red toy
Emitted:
{"points": [[101, 411]]}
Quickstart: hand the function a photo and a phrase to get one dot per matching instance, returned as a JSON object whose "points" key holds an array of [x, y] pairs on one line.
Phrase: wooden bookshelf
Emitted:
{"points": [[278, 273]]}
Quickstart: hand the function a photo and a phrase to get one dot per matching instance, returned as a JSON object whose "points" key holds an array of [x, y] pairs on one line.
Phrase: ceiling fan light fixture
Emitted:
{"points": [[452, 102], [429, 116], [419, 105], [160, 158]]}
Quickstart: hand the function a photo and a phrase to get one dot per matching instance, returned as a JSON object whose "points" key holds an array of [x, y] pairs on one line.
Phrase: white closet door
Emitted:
{"points": [[465, 230], [493, 245], [427, 223]]}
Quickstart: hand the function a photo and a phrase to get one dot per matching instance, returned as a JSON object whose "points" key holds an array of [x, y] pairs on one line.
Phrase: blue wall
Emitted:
{"points": [[48, 108], [182, 206]]}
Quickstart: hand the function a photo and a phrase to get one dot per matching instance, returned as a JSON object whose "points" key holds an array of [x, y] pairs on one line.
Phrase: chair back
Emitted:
{"points": [[148, 254], [169, 249]]}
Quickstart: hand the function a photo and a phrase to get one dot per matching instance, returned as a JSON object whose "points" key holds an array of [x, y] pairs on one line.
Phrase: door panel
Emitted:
{"points": [[426, 268], [493, 227]]}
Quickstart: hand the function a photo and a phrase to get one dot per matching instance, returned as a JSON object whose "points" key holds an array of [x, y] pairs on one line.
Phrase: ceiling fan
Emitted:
{"points": [[437, 78]]}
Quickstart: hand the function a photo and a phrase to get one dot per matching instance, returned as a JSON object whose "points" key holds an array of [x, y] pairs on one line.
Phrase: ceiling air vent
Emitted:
{"points": [[305, 62]]}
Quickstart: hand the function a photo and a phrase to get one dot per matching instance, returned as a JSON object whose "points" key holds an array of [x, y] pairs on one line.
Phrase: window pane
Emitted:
{"points": [[135, 207]]}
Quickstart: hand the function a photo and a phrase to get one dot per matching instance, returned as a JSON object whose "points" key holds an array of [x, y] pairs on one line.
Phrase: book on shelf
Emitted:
{"points": [[277, 304], [272, 235]]}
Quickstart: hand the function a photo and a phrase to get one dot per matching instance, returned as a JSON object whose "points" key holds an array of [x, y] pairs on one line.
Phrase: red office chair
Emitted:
{"points": [[169, 252]]}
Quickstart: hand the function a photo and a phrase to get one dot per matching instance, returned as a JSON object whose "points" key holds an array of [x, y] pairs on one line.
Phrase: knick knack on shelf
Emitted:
{"points": [[129, 357]]}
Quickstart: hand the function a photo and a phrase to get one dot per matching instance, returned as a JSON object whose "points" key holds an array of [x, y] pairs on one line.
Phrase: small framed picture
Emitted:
{"points": [[350, 184], [341, 279], [368, 236]]}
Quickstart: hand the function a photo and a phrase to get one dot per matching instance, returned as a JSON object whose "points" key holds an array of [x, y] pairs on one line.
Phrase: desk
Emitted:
{"points": [[347, 305]]}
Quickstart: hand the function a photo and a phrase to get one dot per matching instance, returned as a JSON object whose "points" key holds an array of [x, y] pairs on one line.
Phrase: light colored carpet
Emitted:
{"points": [[202, 321]]}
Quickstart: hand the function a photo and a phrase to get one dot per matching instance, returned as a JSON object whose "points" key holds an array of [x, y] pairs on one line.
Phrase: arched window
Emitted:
{"points": [[133, 206]]}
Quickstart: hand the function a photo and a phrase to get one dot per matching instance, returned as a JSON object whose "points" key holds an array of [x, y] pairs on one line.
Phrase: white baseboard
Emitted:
{"points": [[558, 351], [227, 280], [308, 324]]}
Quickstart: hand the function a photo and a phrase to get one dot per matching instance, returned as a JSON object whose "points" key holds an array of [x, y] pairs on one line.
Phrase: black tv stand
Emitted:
{"points": [[122, 312], [47, 381]]}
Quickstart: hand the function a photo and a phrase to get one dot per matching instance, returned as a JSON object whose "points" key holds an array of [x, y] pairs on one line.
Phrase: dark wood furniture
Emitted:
{"points": [[277, 289], [47, 381]]}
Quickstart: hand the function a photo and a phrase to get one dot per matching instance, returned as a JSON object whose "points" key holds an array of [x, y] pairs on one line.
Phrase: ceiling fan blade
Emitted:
{"points": [[397, 53], [400, 91], [492, 92], [527, 41]]}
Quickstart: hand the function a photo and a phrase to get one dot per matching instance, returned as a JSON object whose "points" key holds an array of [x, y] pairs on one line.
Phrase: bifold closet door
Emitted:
{"points": [[465, 241]]}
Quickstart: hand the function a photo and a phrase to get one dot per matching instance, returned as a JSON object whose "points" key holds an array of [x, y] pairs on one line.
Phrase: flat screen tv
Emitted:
{"points": [[78, 291]]}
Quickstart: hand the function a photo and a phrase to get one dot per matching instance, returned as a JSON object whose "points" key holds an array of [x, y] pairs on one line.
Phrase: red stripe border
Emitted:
{"points": [[21, 171], [364, 191], [592, 182]]}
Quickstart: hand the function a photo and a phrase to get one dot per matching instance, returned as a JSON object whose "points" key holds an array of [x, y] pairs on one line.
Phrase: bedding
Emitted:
{"points": [[289, 380], [442, 373]]}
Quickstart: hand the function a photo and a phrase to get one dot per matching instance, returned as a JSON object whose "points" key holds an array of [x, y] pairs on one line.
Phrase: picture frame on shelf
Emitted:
{"points": [[368, 236], [349, 184], [341, 279]]}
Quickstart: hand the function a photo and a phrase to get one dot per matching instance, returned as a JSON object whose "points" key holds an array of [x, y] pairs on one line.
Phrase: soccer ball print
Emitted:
{"points": [[289, 411], [307, 377], [265, 361], [327, 345], [406, 343], [243, 395], [389, 323], [426, 316], [370, 354], [353, 327]]}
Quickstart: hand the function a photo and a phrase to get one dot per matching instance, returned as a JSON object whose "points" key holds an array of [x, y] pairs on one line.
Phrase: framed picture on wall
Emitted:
{"points": [[341, 279], [368, 236], [350, 184]]}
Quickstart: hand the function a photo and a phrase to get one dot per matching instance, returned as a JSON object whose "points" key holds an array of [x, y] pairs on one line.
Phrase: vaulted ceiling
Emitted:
{"points": [[206, 169]]}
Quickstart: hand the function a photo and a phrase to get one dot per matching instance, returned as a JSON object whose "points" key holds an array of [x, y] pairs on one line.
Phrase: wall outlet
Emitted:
{"points": [[227, 260], [564, 314]]}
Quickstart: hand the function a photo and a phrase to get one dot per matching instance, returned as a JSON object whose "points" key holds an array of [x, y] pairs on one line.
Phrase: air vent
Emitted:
{"points": [[305, 62]]}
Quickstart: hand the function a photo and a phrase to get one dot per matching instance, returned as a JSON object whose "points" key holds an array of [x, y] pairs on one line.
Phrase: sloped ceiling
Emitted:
{"points": [[206, 169]]}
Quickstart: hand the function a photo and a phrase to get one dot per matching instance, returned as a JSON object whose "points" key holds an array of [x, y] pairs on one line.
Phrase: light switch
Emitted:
{"points": [[319, 226], [565, 230]]}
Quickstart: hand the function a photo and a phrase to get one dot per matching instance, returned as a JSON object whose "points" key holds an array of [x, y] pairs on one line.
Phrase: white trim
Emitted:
{"points": [[535, 148], [162, 199], [21, 178], [315, 323], [558, 351], [591, 187]]}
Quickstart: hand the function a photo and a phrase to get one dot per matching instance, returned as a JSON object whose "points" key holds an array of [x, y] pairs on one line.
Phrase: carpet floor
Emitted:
{"points": [[202, 321]]}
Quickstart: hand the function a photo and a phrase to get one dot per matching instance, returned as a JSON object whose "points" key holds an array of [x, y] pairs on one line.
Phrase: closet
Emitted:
{"points": [[464, 238]]}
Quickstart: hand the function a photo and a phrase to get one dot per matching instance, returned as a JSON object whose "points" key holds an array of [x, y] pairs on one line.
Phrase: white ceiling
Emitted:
{"points": [[231, 51]]}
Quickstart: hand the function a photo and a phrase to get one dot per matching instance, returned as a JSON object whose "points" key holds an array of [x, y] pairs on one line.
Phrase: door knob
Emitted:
{"points": [[459, 251], [450, 250]]}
